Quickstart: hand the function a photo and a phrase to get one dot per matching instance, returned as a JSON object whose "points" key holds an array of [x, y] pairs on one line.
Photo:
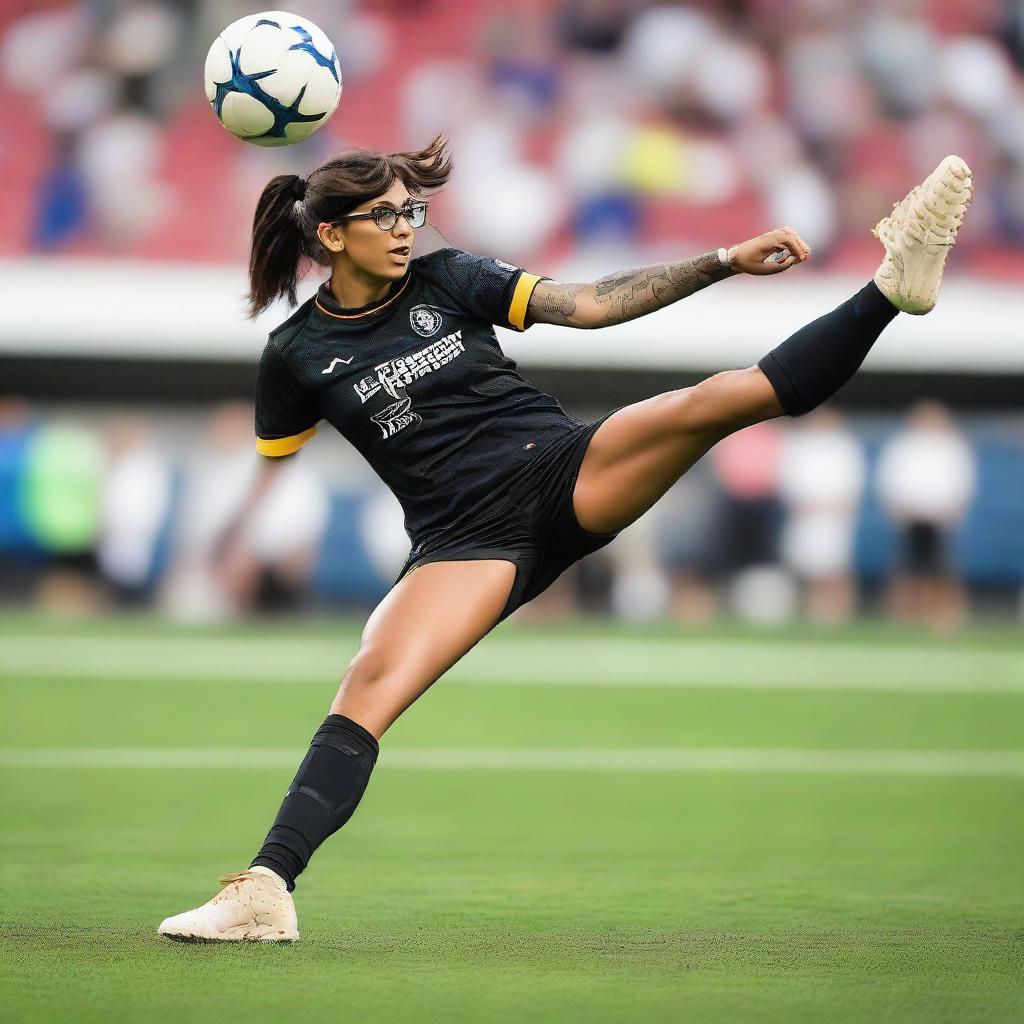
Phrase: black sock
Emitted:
{"points": [[323, 795], [812, 365]]}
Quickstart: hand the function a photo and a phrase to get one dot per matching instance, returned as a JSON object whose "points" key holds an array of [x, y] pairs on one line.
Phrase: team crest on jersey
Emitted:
{"points": [[425, 320]]}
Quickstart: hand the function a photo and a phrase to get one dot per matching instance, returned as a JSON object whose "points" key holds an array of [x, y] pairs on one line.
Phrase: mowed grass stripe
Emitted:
{"points": [[842, 762], [531, 661]]}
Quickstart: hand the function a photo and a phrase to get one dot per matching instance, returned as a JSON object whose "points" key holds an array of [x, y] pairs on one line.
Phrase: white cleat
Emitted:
{"points": [[918, 235], [254, 906]]}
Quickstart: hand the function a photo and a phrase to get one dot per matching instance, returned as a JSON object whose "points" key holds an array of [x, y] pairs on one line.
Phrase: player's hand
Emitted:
{"points": [[782, 248]]}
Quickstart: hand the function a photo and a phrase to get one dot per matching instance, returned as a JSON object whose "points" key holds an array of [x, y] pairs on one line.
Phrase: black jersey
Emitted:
{"points": [[416, 382]]}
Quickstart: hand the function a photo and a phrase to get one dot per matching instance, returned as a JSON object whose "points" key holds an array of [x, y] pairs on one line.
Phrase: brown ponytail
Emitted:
{"points": [[290, 210]]}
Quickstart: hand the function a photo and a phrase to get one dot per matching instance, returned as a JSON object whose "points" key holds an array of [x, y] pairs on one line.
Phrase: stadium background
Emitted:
{"points": [[652, 812], [589, 137]]}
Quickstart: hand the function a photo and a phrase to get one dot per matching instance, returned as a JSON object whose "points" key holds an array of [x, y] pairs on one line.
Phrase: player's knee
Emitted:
{"points": [[716, 406], [374, 690], [369, 669], [696, 409]]}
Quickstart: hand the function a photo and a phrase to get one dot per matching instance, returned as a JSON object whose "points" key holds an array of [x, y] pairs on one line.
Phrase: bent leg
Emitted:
{"points": [[640, 451], [424, 625]]}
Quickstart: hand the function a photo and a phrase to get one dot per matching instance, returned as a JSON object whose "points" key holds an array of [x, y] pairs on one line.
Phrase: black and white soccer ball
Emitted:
{"points": [[273, 79]]}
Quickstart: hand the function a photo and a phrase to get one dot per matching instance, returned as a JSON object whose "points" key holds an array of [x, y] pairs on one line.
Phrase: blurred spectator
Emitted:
{"points": [[748, 523], [926, 479], [821, 482], [640, 590], [685, 536], [136, 502], [62, 492], [508, 209], [118, 162]]}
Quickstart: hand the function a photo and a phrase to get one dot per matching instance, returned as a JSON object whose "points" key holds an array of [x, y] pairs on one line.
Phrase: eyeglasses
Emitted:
{"points": [[386, 217]]}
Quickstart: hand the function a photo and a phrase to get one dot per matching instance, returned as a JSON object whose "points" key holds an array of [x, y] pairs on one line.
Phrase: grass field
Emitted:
{"points": [[578, 824]]}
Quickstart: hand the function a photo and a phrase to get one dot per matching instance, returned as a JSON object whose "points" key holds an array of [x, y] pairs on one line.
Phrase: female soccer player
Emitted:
{"points": [[502, 489]]}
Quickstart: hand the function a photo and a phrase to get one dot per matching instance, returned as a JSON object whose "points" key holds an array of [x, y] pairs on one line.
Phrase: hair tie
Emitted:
{"points": [[298, 189]]}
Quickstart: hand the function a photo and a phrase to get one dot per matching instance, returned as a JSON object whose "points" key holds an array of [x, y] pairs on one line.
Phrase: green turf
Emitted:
{"points": [[500, 894]]}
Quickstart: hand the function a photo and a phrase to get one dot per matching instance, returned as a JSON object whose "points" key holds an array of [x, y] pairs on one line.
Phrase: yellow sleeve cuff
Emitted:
{"points": [[283, 445], [521, 299]]}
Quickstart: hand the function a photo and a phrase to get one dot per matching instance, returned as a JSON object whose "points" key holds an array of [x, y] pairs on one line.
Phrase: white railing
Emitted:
{"points": [[138, 310]]}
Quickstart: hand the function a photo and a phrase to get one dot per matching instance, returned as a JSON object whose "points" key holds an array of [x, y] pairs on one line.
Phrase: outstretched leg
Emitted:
{"points": [[425, 624], [640, 451]]}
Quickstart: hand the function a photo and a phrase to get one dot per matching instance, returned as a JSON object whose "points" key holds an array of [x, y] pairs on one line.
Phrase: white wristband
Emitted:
{"points": [[723, 257]]}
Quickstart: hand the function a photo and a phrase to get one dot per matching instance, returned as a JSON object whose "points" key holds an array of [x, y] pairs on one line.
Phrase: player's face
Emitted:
{"points": [[373, 251]]}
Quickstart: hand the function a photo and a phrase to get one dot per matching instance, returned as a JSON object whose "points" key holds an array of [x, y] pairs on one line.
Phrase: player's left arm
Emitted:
{"points": [[628, 294]]}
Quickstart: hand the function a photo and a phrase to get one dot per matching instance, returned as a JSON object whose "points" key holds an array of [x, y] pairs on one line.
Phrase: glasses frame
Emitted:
{"points": [[378, 213]]}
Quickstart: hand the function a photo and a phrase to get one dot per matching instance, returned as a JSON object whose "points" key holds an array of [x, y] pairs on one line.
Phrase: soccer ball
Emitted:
{"points": [[272, 78]]}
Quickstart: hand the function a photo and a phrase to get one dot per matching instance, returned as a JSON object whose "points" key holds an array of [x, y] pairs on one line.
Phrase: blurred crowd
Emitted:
{"points": [[588, 135], [768, 527], [820, 518], [633, 124]]}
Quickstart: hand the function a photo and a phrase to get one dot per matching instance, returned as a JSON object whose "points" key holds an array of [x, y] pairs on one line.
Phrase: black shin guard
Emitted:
{"points": [[812, 365], [322, 797]]}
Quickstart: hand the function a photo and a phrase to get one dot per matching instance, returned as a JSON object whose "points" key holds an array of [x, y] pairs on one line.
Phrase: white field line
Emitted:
{"points": [[836, 762], [530, 661]]}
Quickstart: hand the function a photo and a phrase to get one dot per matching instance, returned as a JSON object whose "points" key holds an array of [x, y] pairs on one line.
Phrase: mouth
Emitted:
{"points": [[401, 251]]}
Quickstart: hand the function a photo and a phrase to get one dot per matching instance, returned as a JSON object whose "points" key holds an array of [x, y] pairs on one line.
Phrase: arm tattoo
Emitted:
{"points": [[628, 295], [625, 295], [553, 303]]}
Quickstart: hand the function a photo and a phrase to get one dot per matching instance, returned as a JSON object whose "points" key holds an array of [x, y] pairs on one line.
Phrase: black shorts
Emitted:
{"points": [[529, 520]]}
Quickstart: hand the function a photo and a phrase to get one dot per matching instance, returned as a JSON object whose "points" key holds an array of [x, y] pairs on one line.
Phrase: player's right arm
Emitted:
{"points": [[262, 483], [286, 417], [629, 294]]}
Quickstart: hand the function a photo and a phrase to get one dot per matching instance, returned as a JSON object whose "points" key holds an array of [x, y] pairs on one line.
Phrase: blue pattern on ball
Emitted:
{"points": [[307, 45], [249, 84]]}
